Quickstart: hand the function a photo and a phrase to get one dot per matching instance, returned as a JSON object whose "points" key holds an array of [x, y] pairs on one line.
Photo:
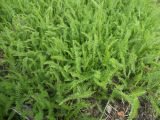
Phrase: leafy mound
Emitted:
{"points": [[60, 57]]}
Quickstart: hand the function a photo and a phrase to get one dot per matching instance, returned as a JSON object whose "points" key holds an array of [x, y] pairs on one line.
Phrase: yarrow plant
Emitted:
{"points": [[60, 58]]}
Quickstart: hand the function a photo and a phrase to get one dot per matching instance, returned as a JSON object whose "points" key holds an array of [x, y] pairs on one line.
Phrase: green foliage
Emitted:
{"points": [[59, 55]]}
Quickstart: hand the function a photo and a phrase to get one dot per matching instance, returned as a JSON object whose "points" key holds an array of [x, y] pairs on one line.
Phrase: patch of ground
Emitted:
{"points": [[116, 110], [119, 110], [145, 111]]}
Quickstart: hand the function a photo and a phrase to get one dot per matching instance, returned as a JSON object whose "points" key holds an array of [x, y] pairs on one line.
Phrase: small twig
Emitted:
{"points": [[19, 113], [114, 108], [126, 110], [104, 111]]}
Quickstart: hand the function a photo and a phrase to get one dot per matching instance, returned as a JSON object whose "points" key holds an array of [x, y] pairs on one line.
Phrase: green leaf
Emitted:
{"points": [[77, 96]]}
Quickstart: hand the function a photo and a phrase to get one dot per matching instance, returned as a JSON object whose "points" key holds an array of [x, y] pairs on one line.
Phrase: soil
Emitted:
{"points": [[146, 111], [116, 110], [119, 110]]}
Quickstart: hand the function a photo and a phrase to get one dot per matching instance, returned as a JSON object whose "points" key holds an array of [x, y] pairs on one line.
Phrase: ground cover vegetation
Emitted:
{"points": [[65, 59]]}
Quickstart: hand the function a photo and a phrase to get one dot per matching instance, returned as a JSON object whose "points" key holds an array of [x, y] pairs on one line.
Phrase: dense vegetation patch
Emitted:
{"points": [[61, 58]]}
